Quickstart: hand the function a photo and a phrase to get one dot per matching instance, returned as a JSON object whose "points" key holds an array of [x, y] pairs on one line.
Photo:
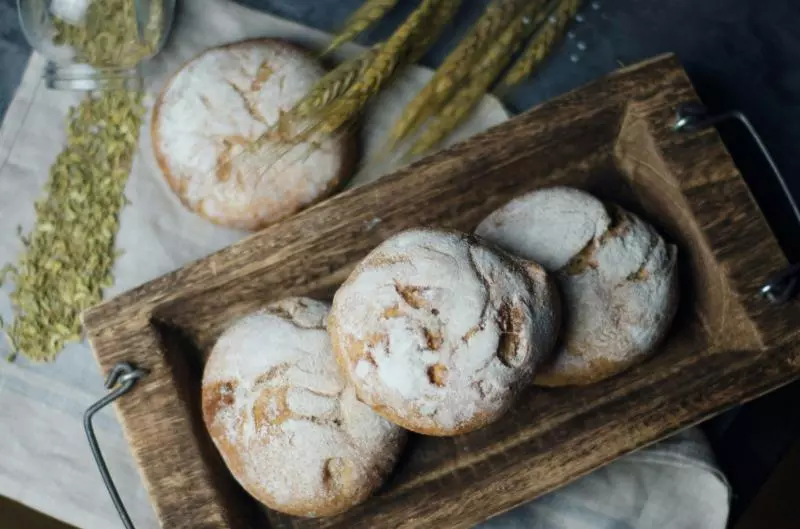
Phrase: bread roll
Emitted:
{"points": [[287, 424], [208, 135], [438, 332], [618, 278]]}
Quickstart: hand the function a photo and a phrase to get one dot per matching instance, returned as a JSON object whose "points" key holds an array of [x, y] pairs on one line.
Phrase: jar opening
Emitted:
{"points": [[85, 77]]}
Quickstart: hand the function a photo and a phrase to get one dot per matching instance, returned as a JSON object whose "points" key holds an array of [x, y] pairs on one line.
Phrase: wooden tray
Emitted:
{"points": [[612, 138]]}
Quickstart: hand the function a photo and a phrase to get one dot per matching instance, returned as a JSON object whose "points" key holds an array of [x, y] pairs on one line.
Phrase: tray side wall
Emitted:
{"points": [[572, 432]]}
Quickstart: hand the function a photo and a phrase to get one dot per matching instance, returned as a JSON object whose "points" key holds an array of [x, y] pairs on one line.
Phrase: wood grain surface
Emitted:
{"points": [[612, 138]]}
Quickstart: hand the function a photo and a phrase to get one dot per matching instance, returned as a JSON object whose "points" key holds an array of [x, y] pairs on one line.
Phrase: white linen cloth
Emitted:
{"points": [[671, 485], [45, 462]]}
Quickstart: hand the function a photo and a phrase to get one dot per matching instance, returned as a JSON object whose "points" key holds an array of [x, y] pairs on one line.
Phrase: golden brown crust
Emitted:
{"points": [[347, 142]]}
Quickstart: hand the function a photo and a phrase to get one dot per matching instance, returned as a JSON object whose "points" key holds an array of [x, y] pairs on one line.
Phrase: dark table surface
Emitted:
{"points": [[741, 54]]}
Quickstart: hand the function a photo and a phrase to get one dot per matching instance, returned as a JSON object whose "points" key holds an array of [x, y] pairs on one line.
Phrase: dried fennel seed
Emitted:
{"points": [[369, 13], [486, 70], [67, 258], [454, 68], [108, 36], [541, 43]]}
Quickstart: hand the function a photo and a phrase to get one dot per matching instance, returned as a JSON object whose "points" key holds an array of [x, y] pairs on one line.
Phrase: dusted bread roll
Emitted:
{"points": [[287, 424], [438, 332], [208, 135], [618, 278]]}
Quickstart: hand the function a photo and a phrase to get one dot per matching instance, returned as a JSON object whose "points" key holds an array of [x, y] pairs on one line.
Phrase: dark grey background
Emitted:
{"points": [[742, 54]]}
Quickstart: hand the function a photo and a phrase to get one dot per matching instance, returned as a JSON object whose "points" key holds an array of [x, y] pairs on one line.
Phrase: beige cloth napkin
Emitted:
{"points": [[674, 484], [44, 459]]}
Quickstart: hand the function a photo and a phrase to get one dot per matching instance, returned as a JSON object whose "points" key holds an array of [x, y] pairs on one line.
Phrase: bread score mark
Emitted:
{"points": [[249, 106], [263, 73]]}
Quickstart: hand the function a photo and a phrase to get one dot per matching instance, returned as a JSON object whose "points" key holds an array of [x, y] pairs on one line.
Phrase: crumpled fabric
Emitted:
{"points": [[674, 484]]}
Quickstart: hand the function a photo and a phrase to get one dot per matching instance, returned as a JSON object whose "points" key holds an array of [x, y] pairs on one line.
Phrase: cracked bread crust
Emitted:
{"points": [[438, 332], [286, 422], [208, 137], [618, 278]]}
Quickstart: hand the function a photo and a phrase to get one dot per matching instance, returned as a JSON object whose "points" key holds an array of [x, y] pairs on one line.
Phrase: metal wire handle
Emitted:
{"points": [[124, 376], [695, 116]]}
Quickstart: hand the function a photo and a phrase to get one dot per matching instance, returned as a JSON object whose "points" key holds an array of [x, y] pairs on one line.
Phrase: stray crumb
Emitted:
{"points": [[437, 374]]}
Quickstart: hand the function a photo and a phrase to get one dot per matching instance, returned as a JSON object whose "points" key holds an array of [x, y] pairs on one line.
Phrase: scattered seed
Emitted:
{"points": [[69, 253]]}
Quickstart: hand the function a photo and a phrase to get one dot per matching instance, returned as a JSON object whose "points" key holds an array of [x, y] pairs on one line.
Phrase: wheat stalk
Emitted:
{"points": [[333, 84], [389, 56], [491, 64], [454, 68], [339, 80], [445, 11], [324, 92], [337, 99], [366, 15], [541, 43]]}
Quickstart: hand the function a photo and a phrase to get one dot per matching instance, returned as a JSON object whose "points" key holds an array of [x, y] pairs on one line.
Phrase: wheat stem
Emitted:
{"points": [[541, 43], [454, 68], [337, 99], [388, 58], [491, 64], [333, 84], [370, 12], [445, 11]]}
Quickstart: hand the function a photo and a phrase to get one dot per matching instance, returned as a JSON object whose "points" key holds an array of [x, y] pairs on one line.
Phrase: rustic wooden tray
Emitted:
{"points": [[612, 138]]}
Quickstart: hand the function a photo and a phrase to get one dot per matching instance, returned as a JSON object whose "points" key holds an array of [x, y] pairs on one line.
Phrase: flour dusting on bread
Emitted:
{"points": [[285, 420], [617, 276], [548, 226], [438, 332], [208, 135]]}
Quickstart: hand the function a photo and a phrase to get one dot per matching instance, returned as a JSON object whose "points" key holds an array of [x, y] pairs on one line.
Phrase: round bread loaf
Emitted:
{"points": [[438, 332], [618, 278], [208, 132], [288, 426]]}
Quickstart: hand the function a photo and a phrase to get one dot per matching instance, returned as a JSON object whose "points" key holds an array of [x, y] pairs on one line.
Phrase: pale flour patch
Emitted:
{"points": [[434, 301], [303, 437], [548, 226], [212, 111], [619, 304]]}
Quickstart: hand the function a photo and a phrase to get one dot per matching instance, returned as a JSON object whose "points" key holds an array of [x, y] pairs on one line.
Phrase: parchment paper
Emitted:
{"points": [[44, 458]]}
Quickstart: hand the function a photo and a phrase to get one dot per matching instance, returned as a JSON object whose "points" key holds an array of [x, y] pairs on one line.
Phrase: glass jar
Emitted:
{"points": [[94, 44]]}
